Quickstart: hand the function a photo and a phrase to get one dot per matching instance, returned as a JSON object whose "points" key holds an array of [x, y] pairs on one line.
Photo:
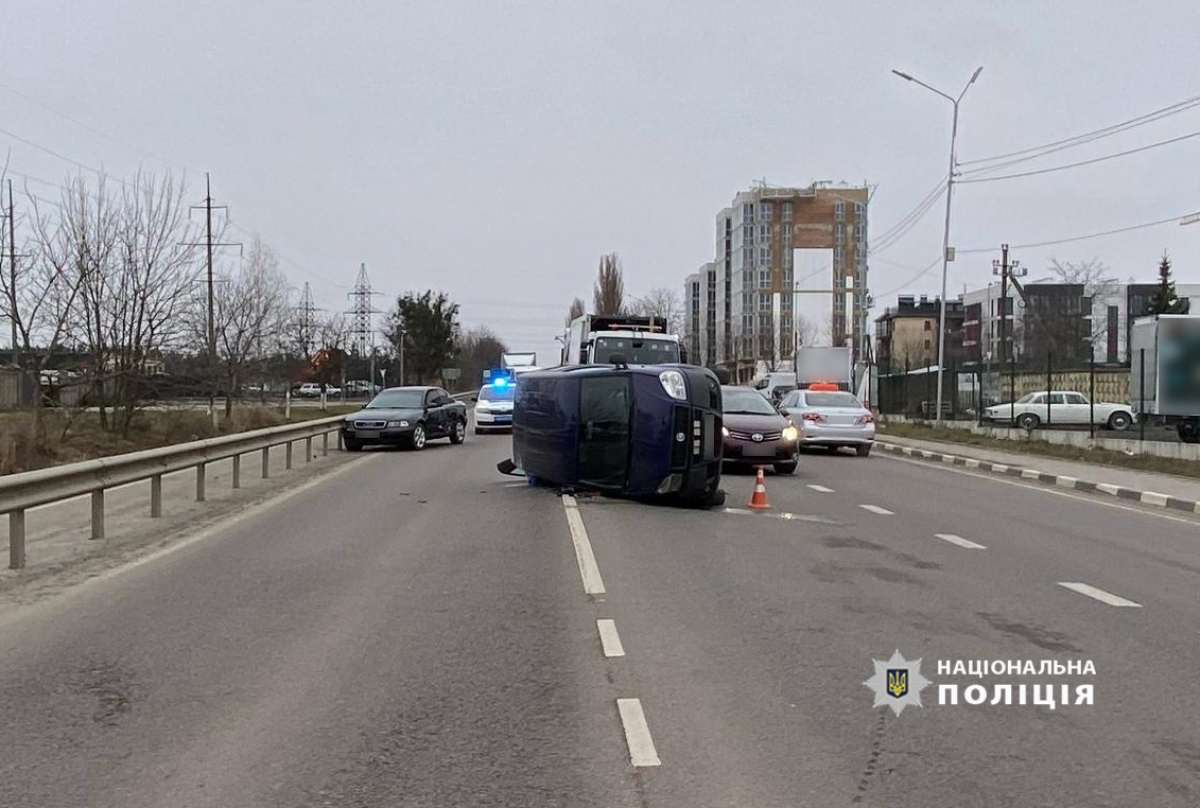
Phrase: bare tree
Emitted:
{"points": [[136, 281], [575, 311], [808, 332], [662, 302], [1099, 285], [608, 295], [38, 295], [250, 311], [912, 352]]}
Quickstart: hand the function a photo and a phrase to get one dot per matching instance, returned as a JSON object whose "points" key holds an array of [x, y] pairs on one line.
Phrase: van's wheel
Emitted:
{"points": [[458, 433], [1028, 421], [1120, 421], [416, 441], [786, 468]]}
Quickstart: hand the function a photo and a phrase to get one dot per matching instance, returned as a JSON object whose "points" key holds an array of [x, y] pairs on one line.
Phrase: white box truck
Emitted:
{"points": [[1164, 373], [832, 364]]}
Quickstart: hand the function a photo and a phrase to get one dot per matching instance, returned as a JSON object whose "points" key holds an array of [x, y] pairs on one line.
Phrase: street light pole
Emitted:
{"points": [[946, 231]]}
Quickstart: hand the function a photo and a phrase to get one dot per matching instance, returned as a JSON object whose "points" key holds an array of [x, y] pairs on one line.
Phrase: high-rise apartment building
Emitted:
{"points": [[750, 290]]}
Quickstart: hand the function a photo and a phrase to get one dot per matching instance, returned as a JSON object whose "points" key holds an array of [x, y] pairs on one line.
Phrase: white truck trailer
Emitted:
{"points": [[1164, 378]]}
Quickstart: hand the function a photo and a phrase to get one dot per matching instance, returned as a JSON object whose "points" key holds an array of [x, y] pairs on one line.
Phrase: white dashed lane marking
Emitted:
{"points": [[593, 584], [610, 641], [820, 489], [878, 510], [637, 733], [960, 541], [1099, 594]]}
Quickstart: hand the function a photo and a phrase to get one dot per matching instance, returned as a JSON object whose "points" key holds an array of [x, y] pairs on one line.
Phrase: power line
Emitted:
{"points": [[906, 225], [52, 153], [100, 173], [1097, 134], [922, 273], [919, 211], [1080, 238], [1085, 162]]}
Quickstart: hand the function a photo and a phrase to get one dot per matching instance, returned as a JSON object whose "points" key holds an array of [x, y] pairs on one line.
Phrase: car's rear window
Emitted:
{"points": [[832, 400]]}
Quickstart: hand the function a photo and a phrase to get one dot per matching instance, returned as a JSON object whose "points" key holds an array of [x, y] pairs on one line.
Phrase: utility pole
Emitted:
{"points": [[209, 245], [1006, 270], [401, 330], [362, 327], [307, 311], [212, 321], [12, 276]]}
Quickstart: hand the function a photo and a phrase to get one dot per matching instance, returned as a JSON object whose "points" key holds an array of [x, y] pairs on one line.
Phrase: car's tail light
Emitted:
{"points": [[867, 419], [813, 416]]}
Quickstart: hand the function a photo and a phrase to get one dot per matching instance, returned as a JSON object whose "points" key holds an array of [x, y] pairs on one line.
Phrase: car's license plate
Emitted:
{"points": [[367, 434], [758, 450]]}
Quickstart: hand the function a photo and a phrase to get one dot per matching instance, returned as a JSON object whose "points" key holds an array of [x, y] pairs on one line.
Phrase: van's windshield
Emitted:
{"points": [[644, 351]]}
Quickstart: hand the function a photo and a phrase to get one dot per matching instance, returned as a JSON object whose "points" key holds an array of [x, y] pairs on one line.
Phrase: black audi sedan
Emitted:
{"points": [[406, 416]]}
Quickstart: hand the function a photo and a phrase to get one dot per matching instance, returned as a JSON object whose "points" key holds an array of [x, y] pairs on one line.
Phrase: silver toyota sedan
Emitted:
{"points": [[830, 418]]}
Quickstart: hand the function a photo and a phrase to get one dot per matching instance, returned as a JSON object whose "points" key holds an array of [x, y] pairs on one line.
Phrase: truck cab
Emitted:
{"points": [[595, 340]]}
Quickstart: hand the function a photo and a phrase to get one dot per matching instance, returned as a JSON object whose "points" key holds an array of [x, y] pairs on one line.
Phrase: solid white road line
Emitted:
{"points": [[609, 639], [960, 541], [878, 510], [1099, 594], [821, 489], [1041, 489], [588, 570], [637, 733]]}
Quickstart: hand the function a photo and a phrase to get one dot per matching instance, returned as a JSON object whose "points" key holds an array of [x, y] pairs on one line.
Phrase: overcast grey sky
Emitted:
{"points": [[495, 150]]}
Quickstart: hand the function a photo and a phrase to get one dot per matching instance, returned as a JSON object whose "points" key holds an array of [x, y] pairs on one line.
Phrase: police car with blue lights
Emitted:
{"points": [[494, 403]]}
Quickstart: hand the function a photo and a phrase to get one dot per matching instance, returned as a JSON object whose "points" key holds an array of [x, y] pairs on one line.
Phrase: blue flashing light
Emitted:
{"points": [[500, 381]]}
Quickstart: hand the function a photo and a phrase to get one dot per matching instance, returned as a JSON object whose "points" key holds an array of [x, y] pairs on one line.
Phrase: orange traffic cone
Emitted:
{"points": [[758, 500]]}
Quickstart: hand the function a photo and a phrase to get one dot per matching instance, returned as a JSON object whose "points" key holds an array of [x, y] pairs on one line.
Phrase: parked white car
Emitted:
{"points": [[313, 390], [1060, 408]]}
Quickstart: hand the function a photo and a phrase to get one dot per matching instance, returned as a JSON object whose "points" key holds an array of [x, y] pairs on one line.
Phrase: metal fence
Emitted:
{"points": [[19, 492], [968, 391]]}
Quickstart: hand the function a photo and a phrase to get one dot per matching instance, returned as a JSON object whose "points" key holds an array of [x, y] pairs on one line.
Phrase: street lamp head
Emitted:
{"points": [[975, 75], [904, 76]]}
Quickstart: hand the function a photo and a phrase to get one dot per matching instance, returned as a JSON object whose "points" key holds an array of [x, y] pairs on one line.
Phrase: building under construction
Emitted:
{"points": [[741, 307]]}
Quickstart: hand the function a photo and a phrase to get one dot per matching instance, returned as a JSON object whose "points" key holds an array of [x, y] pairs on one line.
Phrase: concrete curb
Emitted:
{"points": [[1144, 497]]}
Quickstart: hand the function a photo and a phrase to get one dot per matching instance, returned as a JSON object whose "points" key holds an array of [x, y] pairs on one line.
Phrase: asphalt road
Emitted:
{"points": [[416, 631]]}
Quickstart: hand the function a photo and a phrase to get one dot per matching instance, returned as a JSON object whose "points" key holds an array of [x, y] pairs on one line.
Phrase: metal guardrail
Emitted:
{"points": [[19, 492]]}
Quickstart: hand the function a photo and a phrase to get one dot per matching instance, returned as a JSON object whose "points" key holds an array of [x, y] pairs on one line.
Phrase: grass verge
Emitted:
{"points": [[71, 437], [1100, 457]]}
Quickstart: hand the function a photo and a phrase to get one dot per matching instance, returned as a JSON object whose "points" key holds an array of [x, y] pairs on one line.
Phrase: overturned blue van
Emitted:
{"points": [[647, 431]]}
